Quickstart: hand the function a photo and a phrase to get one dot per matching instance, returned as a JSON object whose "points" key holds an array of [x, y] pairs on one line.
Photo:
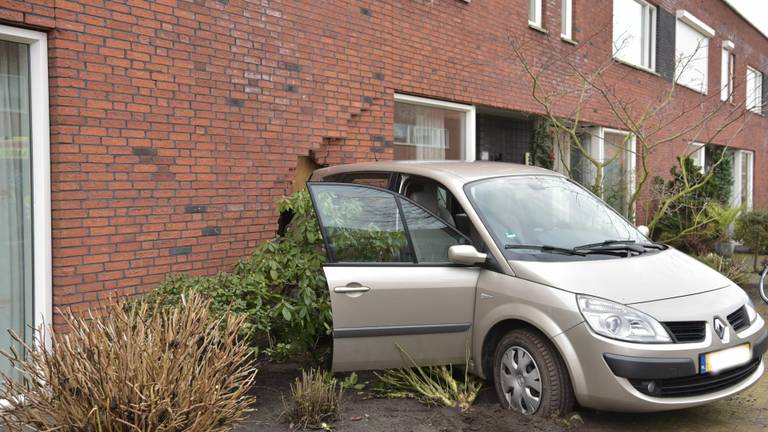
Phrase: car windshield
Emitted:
{"points": [[549, 214]]}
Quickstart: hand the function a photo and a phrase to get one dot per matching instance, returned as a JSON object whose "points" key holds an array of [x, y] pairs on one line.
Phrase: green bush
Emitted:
{"points": [[729, 267], [280, 288], [752, 231], [694, 222]]}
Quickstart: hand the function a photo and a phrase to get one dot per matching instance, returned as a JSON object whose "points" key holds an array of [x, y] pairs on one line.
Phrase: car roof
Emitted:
{"points": [[461, 172]]}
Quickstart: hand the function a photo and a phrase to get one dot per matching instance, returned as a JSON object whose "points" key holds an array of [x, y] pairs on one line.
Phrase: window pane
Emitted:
{"points": [[746, 177], [361, 224], [428, 133], [566, 18], [431, 237], [691, 57], [616, 173], [370, 179], [15, 196], [532, 11], [754, 90], [628, 19]]}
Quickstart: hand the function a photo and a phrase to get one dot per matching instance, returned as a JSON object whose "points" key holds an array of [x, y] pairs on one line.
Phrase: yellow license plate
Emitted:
{"points": [[729, 358]]}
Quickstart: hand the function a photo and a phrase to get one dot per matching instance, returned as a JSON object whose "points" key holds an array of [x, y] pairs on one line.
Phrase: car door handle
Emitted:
{"points": [[351, 288]]}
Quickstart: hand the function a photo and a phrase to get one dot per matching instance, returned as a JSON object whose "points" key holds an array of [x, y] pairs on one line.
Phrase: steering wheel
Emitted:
{"points": [[762, 283]]}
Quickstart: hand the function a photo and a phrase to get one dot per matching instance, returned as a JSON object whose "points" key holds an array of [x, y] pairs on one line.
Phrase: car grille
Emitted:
{"points": [[686, 331], [739, 319], [696, 384]]}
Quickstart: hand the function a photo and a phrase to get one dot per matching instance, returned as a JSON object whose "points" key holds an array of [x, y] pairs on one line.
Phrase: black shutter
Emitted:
{"points": [[765, 94], [665, 44]]}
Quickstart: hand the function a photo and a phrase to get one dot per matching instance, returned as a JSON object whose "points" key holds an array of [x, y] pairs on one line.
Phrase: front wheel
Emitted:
{"points": [[530, 377]]}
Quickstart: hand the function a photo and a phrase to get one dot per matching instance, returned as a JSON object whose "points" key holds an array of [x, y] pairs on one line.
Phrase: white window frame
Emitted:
{"points": [[41, 175], [757, 97], [727, 71], [736, 189], [648, 45], [566, 17], [695, 24], [699, 156], [468, 151], [631, 149], [537, 15]]}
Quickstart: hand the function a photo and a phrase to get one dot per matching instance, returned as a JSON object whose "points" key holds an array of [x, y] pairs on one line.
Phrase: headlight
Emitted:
{"points": [[751, 312], [621, 322]]}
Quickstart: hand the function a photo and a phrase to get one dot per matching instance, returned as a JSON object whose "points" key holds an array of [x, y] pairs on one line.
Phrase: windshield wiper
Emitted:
{"points": [[609, 245], [545, 248]]}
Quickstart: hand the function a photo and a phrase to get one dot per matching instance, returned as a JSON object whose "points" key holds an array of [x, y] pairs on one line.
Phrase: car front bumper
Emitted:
{"points": [[607, 373]]}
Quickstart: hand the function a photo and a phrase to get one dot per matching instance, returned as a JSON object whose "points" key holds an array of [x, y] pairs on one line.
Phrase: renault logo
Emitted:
{"points": [[721, 330]]}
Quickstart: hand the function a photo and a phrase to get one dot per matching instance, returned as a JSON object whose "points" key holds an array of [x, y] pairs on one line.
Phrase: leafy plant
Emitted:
{"points": [[315, 399], [142, 368], [429, 384], [280, 288], [752, 230], [729, 267], [695, 220]]}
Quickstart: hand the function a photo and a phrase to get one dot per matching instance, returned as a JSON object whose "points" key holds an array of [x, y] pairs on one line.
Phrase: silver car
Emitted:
{"points": [[532, 282]]}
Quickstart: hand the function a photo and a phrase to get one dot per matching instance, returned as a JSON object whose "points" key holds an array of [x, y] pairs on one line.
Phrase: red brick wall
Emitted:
{"points": [[176, 124]]}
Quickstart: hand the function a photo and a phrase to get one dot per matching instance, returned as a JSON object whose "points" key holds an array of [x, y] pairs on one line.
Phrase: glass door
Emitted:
{"points": [[16, 252]]}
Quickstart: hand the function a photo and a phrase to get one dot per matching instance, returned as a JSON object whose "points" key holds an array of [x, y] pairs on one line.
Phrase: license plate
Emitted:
{"points": [[719, 361]]}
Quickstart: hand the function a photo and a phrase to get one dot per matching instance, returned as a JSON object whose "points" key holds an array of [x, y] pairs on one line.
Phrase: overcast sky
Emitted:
{"points": [[756, 11]]}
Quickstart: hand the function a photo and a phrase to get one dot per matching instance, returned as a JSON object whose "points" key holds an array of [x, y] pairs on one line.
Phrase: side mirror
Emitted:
{"points": [[465, 254], [644, 230], [762, 281]]}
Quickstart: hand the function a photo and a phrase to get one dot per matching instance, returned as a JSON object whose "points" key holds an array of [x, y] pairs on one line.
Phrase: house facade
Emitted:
{"points": [[146, 137]]}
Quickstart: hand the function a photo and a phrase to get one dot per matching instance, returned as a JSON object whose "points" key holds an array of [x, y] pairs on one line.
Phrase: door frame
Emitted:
{"points": [[41, 173]]}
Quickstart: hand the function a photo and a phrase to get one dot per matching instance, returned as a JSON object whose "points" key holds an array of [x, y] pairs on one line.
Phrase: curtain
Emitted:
{"points": [[15, 194]]}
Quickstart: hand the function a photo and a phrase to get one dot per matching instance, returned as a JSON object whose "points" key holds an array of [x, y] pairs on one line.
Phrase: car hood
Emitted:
{"points": [[648, 277]]}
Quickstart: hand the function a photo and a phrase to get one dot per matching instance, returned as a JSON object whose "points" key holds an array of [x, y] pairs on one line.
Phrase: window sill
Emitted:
{"points": [[635, 66], [693, 89], [537, 28], [568, 40]]}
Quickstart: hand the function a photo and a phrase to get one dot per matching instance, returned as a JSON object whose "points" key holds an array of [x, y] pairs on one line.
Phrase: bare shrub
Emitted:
{"points": [[315, 399], [140, 368]]}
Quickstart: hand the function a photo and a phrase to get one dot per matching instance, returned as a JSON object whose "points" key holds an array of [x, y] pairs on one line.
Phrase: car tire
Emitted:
{"points": [[530, 377]]}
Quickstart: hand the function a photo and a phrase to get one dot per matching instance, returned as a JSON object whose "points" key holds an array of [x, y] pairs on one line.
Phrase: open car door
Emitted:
{"points": [[390, 281]]}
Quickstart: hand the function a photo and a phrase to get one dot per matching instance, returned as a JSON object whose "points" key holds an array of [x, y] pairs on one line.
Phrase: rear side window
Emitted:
{"points": [[369, 225], [375, 179]]}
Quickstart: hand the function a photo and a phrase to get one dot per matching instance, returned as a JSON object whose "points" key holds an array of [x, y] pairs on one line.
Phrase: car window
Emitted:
{"points": [[376, 179], [432, 196], [431, 236], [365, 224]]}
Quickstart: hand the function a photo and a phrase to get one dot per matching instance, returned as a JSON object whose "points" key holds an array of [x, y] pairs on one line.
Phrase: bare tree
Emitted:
{"points": [[567, 86]]}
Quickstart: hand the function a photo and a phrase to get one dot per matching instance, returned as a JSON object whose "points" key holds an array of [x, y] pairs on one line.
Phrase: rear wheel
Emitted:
{"points": [[530, 377]]}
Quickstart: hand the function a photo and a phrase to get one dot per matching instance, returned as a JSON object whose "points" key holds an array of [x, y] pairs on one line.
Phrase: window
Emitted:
{"points": [[377, 179], [727, 66], [692, 52], [427, 129], [534, 13], [566, 19], [364, 224], [634, 33], [25, 263], [743, 178], [697, 153], [754, 90], [615, 147]]}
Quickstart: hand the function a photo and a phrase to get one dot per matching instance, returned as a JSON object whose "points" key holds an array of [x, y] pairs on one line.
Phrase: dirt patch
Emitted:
{"points": [[362, 411]]}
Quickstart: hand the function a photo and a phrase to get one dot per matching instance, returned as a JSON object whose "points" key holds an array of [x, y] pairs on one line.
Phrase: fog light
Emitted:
{"points": [[652, 387]]}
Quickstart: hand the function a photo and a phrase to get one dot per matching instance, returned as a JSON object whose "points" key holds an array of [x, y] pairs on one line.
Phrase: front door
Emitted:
{"points": [[393, 291]]}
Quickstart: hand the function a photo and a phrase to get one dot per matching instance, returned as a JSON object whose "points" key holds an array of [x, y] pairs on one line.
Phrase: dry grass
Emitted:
{"points": [[430, 384], [134, 369], [315, 400]]}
